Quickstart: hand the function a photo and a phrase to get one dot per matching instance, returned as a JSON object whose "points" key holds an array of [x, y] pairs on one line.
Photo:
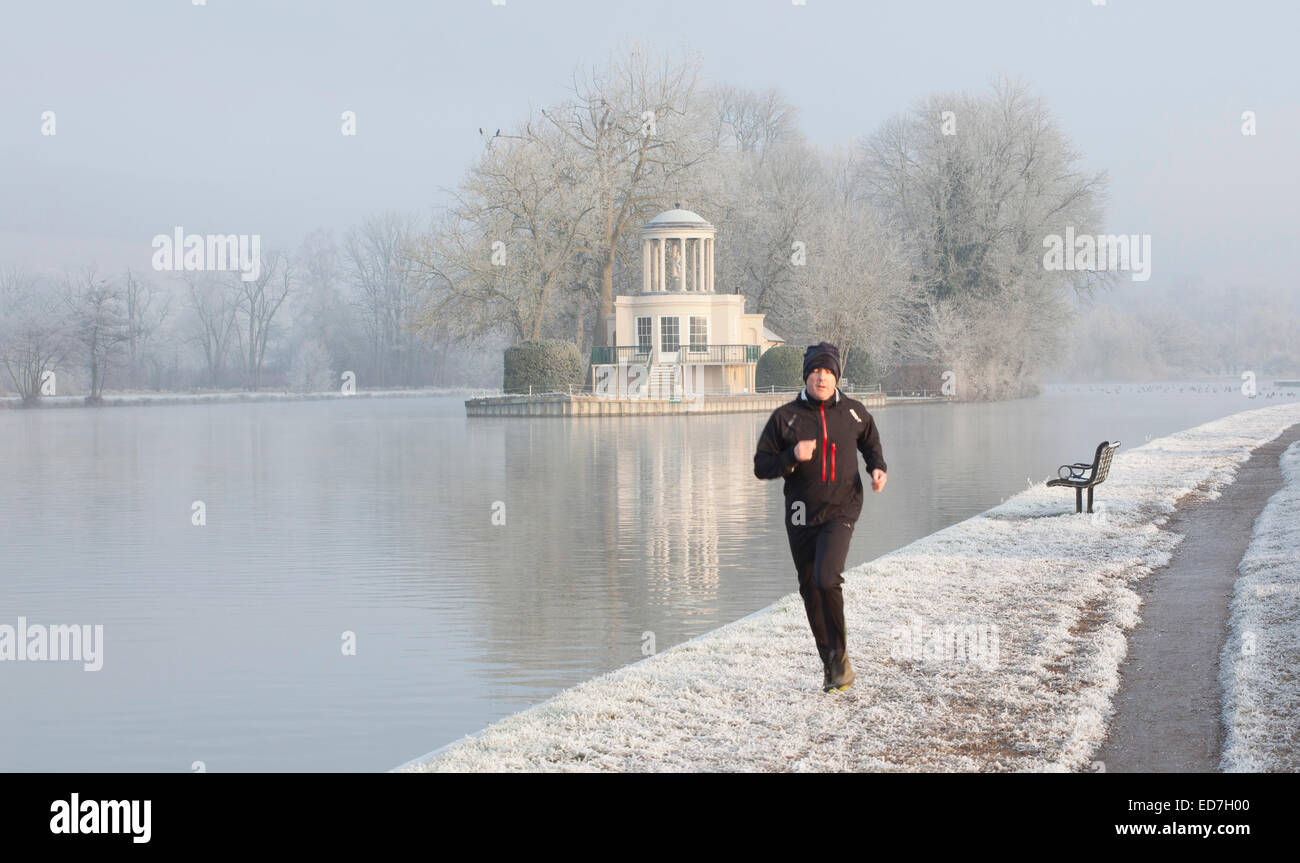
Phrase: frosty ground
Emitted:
{"points": [[135, 399], [1260, 665], [1053, 589]]}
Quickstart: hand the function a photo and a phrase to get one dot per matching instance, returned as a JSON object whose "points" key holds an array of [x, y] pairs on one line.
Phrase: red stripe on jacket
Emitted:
{"points": [[825, 443]]}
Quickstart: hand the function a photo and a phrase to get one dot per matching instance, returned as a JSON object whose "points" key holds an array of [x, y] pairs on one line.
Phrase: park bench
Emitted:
{"points": [[1079, 476]]}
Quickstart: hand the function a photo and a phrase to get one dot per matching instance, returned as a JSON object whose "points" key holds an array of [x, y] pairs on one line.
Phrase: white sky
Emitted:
{"points": [[224, 118]]}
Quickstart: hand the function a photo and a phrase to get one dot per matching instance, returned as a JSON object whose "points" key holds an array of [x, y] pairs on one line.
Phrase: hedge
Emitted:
{"points": [[859, 370], [780, 366], [546, 365]]}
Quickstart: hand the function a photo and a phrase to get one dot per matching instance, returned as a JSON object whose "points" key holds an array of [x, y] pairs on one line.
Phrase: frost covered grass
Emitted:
{"points": [[1260, 664], [128, 399], [1053, 588]]}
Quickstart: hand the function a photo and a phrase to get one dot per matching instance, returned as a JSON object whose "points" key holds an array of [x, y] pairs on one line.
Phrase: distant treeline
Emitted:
{"points": [[1188, 330]]}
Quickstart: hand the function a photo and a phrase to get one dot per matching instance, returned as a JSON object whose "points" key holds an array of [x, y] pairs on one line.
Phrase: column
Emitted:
{"points": [[709, 265], [681, 247], [645, 266], [698, 260], [662, 279], [704, 264]]}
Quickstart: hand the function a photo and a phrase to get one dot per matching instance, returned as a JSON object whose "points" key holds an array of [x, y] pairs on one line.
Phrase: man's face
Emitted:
{"points": [[821, 384]]}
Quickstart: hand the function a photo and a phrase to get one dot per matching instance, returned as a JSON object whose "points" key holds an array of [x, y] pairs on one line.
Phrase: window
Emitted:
{"points": [[670, 333], [699, 333], [643, 335]]}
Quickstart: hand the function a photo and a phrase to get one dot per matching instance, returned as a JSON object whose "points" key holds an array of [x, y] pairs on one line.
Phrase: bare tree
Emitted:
{"points": [[147, 309], [215, 305], [34, 338], [638, 141], [99, 324], [379, 261], [310, 369], [259, 301], [753, 121], [321, 311], [851, 289], [769, 216], [505, 255]]}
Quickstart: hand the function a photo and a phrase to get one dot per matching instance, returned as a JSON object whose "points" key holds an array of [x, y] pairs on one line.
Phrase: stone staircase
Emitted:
{"points": [[661, 382]]}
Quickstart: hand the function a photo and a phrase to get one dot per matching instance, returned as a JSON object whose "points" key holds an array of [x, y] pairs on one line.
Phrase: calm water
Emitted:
{"points": [[222, 642]]}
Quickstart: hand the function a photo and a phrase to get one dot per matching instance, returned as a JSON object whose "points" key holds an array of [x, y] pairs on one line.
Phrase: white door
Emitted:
{"points": [[670, 338]]}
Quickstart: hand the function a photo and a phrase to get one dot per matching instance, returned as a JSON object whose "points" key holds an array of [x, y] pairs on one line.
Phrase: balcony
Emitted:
{"points": [[623, 354], [688, 355]]}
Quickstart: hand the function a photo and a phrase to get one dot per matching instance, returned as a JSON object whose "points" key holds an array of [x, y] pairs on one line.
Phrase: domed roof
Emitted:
{"points": [[678, 218]]}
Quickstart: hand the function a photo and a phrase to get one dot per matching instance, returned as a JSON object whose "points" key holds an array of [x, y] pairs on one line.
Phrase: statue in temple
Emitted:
{"points": [[676, 264]]}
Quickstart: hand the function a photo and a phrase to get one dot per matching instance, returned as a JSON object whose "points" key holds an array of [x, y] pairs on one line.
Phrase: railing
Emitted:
{"points": [[694, 354], [687, 354], [846, 388], [918, 394], [608, 355]]}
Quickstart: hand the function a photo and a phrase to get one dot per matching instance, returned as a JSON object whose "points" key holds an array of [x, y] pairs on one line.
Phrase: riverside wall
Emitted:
{"points": [[565, 405]]}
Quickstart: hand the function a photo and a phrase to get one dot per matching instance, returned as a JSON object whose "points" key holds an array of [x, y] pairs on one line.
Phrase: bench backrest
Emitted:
{"points": [[1101, 462]]}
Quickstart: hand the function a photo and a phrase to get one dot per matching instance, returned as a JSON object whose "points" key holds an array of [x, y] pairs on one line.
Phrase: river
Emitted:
{"points": [[476, 566]]}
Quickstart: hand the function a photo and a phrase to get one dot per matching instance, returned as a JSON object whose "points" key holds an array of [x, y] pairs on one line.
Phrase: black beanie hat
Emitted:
{"points": [[822, 355]]}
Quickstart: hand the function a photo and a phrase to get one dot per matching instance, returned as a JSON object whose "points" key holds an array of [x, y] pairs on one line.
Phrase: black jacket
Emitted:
{"points": [[828, 484]]}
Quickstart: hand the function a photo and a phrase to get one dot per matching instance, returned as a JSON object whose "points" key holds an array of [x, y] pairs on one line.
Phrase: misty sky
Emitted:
{"points": [[224, 118]]}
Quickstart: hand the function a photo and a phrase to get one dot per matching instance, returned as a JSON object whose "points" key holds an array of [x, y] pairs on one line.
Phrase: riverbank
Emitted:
{"points": [[994, 644], [136, 399]]}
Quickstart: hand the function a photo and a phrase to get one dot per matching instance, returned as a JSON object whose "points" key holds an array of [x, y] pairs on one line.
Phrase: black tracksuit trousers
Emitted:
{"points": [[820, 552]]}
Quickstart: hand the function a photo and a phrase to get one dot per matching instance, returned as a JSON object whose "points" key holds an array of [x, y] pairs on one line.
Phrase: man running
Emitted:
{"points": [[823, 494]]}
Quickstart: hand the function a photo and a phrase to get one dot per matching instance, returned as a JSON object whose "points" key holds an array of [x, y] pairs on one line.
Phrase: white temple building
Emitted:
{"points": [[679, 319]]}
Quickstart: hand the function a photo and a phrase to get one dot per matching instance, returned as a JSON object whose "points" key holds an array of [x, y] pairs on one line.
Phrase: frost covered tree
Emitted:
{"points": [[214, 305], [147, 309], [850, 289], [545, 222], [974, 184], [259, 300], [797, 239], [639, 138], [34, 335], [752, 122], [321, 310], [380, 261], [505, 256], [310, 371], [765, 210], [99, 324]]}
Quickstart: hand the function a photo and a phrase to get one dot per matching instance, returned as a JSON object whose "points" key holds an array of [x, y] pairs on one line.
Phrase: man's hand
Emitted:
{"points": [[878, 479], [803, 450]]}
